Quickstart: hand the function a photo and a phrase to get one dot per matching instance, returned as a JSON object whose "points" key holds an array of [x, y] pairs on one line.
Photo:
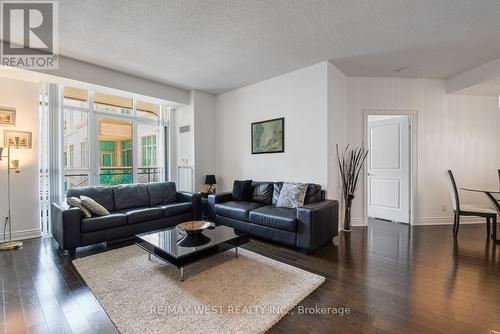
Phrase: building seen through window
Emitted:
{"points": [[128, 132]]}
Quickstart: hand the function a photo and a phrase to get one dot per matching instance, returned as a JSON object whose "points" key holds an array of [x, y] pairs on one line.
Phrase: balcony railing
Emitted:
{"points": [[111, 176]]}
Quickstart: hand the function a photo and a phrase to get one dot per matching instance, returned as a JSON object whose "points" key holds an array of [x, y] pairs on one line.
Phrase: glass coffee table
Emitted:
{"points": [[177, 248]]}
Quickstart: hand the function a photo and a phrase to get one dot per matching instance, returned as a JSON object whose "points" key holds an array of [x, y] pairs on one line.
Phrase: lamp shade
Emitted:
{"points": [[210, 179]]}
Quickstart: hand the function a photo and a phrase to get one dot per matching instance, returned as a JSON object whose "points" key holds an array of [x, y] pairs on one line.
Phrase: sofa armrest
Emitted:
{"points": [[218, 198], [317, 223], [65, 225], [194, 198]]}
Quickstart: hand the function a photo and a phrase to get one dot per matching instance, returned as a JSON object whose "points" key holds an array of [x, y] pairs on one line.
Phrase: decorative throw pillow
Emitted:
{"points": [[292, 195], [76, 202], [93, 206], [242, 190]]}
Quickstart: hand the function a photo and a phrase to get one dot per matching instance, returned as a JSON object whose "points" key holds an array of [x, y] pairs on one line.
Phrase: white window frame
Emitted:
{"points": [[93, 117]]}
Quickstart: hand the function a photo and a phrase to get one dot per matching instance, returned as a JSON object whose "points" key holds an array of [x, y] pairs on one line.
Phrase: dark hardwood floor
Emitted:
{"points": [[395, 279]]}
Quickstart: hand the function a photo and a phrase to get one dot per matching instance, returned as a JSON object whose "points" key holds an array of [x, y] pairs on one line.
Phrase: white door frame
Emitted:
{"points": [[413, 120]]}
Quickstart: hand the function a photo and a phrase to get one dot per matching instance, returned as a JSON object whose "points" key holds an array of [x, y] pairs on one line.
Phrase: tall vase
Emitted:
{"points": [[347, 213]]}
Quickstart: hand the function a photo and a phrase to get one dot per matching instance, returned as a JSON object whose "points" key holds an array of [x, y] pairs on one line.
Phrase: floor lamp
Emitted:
{"points": [[12, 165]]}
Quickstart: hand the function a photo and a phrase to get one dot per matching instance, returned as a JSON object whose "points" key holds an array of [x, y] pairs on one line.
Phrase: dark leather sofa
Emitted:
{"points": [[134, 208], [306, 228]]}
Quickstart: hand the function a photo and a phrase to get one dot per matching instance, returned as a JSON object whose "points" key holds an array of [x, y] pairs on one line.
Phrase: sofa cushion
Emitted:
{"points": [[242, 190], [176, 208], [276, 192], [313, 193], [114, 219], [139, 215], [102, 195], [161, 192], [271, 216], [262, 192], [131, 196], [95, 208], [76, 202], [292, 195], [236, 209]]}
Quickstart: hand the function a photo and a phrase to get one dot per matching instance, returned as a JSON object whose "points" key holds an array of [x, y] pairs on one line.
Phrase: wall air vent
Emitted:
{"points": [[184, 129]]}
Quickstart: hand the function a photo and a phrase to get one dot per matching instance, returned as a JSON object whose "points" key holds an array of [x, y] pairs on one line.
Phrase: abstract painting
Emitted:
{"points": [[7, 116], [24, 138], [268, 136]]}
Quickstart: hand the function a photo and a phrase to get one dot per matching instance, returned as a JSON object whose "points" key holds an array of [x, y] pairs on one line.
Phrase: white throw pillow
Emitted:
{"points": [[76, 202], [93, 206], [292, 195]]}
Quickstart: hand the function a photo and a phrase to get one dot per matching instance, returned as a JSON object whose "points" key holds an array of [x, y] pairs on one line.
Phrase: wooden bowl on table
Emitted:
{"points": [[193, 227]]}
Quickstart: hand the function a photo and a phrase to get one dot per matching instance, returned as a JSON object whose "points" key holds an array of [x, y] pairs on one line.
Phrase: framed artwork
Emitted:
{"points": [[7, 116], [268, 136], [24, 138]]}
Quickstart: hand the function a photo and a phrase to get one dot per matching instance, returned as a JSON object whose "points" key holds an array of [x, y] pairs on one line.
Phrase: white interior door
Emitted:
{"points": [[389, 169]]}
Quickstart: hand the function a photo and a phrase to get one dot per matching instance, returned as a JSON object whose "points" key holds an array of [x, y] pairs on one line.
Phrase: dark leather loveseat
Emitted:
{"points": [[306, 228], [134, 208]]}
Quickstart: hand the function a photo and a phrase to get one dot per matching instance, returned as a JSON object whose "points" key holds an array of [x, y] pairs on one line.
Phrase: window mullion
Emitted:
{"points": [[93, 141]]}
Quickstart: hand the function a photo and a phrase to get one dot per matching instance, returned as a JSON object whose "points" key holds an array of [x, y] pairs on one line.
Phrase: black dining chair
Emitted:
{"points": [[469, 209]]}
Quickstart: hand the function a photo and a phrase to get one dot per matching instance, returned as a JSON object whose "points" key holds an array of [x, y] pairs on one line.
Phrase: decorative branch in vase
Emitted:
{"points": [[350, 165]]}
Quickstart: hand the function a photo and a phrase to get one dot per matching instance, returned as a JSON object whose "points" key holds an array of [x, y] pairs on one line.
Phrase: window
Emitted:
{"points": [[127, 130], [147, 110], [148, 144], [150, 160], [115, 150], [83, 153], [71, 156], [112, 104], [126, 153], [75, 117]]}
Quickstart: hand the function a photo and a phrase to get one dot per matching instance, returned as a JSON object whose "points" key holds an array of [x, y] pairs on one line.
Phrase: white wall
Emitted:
{"points": [[454, 132], [322, 107], [338, 117], [301, 98], [204, 137], [196, 148], [23, 96], [183, 144]]}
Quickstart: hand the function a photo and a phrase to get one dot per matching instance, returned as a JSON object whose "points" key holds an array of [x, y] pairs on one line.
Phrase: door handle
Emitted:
{"points": [[370, 174]]}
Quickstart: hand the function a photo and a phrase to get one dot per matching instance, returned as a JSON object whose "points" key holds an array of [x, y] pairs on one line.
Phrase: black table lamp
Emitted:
{"points": [[211, 182]]}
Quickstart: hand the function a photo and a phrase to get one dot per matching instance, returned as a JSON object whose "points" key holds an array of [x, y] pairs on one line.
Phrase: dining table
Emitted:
{"points": [[491, 194]]}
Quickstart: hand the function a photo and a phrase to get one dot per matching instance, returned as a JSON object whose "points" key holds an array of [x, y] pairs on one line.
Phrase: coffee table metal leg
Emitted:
{"points": [[149, 256], [182, 274], [236, 252]]}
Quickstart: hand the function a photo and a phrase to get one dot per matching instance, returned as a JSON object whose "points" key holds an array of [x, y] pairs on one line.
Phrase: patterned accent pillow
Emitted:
{"points": [[292, 195], [76, 202], [93, 206]]}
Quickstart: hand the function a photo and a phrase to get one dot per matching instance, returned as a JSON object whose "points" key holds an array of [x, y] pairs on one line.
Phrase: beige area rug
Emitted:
{"points": [[221, 294]]}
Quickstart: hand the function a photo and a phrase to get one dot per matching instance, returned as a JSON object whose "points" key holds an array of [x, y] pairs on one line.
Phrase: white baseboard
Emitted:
{"points": [[430, 221], [358, 222], [449, 221], [24, 234]]}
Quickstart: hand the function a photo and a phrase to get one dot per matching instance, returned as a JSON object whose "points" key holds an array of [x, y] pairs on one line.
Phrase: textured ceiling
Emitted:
{"points": [[220, 45]]}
